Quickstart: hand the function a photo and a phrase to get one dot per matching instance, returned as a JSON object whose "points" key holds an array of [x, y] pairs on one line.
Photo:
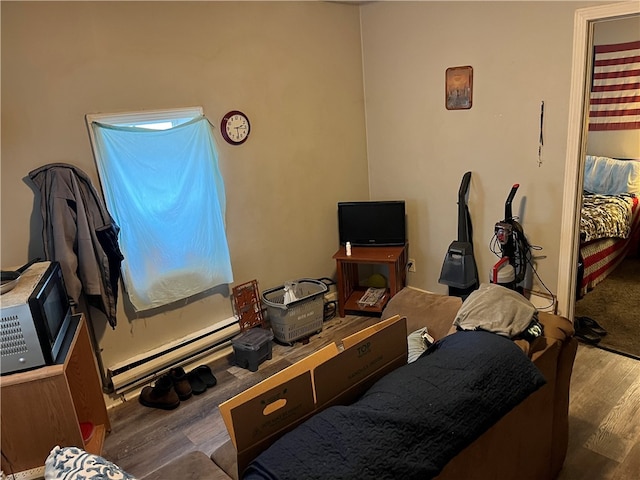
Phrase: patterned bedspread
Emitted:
{"points": [[605, 216], [602, 256]]}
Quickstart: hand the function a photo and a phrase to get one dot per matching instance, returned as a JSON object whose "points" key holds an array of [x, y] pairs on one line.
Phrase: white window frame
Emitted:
{"points": [[141, 117]]}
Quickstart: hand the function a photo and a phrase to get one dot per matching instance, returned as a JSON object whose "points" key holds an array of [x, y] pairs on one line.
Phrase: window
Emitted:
{"points": [[162, 185]]}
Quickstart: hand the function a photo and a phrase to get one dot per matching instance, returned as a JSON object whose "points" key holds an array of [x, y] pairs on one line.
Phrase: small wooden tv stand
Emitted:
{"points": [[43, 408], [349, 289]]}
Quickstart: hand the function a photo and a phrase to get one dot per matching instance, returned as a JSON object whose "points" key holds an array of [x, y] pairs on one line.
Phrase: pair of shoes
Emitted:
{"points": [[201, 378], [168, 391], [163, 395], [588, 330], [588, 322], [177, 385]]}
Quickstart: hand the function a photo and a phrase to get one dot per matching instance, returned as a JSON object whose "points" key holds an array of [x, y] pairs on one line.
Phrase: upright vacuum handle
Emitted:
{"points": [[508, 215], [464, 187], [464, 220]]}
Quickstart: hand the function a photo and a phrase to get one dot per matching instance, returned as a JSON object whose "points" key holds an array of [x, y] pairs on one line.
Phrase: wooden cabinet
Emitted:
{"points": [[349, 288], [44, 407]]}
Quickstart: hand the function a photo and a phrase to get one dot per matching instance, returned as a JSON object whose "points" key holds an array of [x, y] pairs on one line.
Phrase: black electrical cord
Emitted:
{"points": [[553, 297], [522, 251]]}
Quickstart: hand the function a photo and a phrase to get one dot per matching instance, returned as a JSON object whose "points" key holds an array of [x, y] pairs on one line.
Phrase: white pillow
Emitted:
{"points": [[417, 343], [609, 176], [72, 463]]}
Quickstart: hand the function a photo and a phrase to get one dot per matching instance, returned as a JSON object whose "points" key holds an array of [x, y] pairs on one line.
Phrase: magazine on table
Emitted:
{"points": [[372, 297]]}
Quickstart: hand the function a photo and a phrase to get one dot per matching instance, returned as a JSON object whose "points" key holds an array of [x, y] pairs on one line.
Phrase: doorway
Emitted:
{"points": [[585, 20]]}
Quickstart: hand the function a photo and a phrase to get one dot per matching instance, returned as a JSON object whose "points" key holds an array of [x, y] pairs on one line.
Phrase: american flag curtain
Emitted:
{"points": [[615, 91]]}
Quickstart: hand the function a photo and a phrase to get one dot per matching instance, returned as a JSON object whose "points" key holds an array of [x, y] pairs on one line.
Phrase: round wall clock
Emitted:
{"points": [[235, 127]]}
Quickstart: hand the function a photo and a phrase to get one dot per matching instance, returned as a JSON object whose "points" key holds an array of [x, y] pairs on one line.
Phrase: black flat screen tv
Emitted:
{"points": [[372, 223]]}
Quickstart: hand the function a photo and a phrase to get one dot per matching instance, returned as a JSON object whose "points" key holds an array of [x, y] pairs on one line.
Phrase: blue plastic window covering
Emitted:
{"points": [[166, 192]]}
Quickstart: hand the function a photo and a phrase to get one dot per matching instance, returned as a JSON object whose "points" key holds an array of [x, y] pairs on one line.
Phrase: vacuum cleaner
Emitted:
{"points": [[514, 249], [459, 270]]}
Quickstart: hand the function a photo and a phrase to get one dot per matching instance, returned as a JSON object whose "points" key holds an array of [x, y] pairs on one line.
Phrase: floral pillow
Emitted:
{"points": [[72, 463]]}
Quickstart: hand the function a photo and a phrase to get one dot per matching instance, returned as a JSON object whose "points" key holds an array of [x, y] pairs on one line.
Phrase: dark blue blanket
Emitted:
{"points": [[412, 421]]}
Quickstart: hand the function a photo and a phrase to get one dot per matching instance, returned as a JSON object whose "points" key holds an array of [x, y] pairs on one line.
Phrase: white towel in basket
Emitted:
{"points": [[289, 294]]}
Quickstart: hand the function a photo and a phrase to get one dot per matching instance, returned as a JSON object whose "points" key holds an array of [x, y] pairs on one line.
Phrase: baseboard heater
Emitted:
{"points": [[144, 368]]}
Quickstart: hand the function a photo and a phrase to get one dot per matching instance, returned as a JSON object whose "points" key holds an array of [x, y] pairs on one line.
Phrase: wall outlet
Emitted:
{"points": [[411, 265]]}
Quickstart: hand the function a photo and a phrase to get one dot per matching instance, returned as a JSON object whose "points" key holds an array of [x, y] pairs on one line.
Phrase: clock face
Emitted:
{"points": [[235, 127]]}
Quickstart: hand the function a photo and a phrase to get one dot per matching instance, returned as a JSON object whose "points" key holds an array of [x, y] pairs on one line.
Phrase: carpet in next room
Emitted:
{"points": [[615, 305]]}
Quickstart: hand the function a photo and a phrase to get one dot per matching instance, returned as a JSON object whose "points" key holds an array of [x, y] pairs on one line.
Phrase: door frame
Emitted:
{"points": [[584, 20]]}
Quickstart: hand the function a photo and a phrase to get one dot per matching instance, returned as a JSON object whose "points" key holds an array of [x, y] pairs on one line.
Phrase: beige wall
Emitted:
{"points": [[521, 55], [615, 143], [294, 68], [297, 70]]}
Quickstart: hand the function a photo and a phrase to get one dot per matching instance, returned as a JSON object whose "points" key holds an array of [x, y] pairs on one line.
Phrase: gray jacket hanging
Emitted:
{"points": [[79, 232]]}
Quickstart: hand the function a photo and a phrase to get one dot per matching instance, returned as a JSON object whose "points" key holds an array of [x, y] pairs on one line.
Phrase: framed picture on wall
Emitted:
{"points": [[459, 88]]}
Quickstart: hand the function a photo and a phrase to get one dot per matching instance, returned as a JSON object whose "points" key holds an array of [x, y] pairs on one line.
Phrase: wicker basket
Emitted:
{"points": [[300, 318]]}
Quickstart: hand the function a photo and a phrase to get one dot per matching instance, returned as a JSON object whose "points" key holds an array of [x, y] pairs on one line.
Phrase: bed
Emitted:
{"points": [[610, 218]]}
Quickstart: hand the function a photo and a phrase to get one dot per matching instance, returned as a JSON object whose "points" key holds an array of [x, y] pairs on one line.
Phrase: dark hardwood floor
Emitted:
{"points": [[604, 412], [143, 439], [604, 417]]}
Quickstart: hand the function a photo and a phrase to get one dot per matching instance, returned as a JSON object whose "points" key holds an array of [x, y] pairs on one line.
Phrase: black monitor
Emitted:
{"points": [[372, 223]]}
